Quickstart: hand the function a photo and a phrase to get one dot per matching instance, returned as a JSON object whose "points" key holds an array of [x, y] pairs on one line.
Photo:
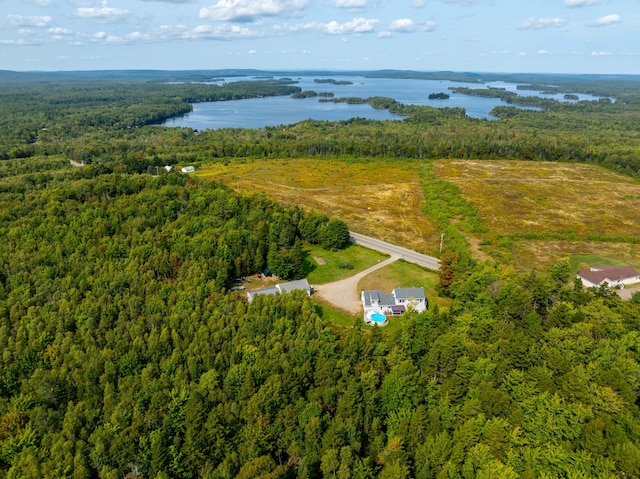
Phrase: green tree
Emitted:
{"points": [[335, 235]]}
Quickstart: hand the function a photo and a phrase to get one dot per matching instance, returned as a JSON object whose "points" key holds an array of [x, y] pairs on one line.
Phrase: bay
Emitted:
{"points": [[285, 110]]}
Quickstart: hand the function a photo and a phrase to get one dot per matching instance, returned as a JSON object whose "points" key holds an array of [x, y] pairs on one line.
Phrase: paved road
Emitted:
{"points": [[403, 253]]}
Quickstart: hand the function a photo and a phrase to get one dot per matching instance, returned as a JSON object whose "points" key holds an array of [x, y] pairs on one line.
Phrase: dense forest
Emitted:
{"points": [[126, 354]]}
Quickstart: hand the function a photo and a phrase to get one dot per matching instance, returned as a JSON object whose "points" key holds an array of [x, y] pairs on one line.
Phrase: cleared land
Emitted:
{"points": [[563, 204], [540, 197], [547, 199], [379, 198]]}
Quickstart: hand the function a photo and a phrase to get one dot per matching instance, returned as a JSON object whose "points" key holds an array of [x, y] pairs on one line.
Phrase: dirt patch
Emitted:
{"points": [[319, 260]]}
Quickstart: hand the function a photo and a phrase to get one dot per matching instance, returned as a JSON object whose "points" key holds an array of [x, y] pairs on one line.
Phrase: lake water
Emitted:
{"points": [[284, 110]]}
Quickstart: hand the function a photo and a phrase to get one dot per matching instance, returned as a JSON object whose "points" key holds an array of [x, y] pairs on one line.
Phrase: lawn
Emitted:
{"points": [[403, 274], [324, 266], [580, 260]]}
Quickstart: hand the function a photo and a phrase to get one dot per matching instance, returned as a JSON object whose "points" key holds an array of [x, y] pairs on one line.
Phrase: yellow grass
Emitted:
{"points": [[541, 254], [379, 198], [521, 196], [549, 197], [384, 199]]}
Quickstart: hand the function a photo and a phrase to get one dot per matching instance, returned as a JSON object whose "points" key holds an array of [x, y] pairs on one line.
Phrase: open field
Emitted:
{"points": [[559, 207], [541, 197], [551, 199], [379, 198]]}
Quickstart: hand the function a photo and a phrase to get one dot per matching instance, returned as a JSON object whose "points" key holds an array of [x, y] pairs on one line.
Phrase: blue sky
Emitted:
{"points": [[547, 36]]}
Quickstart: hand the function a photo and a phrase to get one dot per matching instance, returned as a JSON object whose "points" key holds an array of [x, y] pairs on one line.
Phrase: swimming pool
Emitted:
{"points": [[376, 318]]}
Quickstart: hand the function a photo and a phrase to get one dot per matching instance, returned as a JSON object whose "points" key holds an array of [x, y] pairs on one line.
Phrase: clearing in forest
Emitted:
{"points": [[379, 198], [567, 206]]}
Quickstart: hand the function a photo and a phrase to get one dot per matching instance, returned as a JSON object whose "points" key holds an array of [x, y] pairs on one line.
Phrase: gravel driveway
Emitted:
{"points": [[628, 291], [344, 293]]}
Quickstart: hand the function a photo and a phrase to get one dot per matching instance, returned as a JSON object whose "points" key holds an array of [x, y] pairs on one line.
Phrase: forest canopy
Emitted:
{"points": [[126, 354]]}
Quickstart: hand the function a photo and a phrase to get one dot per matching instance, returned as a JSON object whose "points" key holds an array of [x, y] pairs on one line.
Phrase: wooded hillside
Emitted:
{"points": [[125, 354]]}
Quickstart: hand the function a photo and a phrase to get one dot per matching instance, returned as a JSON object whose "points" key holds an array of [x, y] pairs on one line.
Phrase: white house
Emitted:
{"points": [[301, 284], [188, 169], [396, 303], [612, 276]]}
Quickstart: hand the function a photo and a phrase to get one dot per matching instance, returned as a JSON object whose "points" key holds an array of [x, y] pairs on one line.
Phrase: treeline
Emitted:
{"points": [[35, 113], [123, 355], [93, 123]]}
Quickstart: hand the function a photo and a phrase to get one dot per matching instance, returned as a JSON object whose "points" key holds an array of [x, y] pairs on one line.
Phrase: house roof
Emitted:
{"points": [[272, 291], [598, 274], [375, 296], [409, 293], [302, 284]]}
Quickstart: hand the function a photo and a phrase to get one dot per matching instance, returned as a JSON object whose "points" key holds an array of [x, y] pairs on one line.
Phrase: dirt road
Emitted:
{"points": [[344, 293]]}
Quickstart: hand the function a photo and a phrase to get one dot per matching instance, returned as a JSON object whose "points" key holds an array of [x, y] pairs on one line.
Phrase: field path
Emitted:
{"points": [[344, 293]]}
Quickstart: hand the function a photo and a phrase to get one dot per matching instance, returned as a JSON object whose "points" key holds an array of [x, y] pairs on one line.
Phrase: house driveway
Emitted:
{"points": [[628, 291], [344, 293]]}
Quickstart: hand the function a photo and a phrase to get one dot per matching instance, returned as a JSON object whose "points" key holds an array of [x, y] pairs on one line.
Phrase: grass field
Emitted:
{"points": [[541, 197], [377, 197], [564, 205], [551, 199]]}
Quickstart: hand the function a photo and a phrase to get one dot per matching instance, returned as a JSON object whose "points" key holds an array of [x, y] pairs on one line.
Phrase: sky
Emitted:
{"points": [[503, 36]]}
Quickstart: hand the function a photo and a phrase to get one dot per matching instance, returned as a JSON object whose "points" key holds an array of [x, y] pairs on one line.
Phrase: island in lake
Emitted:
{"points": [[332, 81], [438, 96]]}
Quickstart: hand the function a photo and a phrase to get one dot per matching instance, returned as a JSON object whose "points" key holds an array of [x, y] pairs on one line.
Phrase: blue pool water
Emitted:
{"points": [[378, 318]]}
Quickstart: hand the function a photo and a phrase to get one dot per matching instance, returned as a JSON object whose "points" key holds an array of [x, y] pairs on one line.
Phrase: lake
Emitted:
{"points": [[284, 110]]}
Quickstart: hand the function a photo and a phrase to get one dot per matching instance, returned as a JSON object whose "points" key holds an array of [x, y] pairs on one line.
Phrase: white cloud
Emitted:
{"points": [[542, 52], [250, 10], [20, 42], [102, 14], [42, 3], [402, 25], [350, 3], [427, 26], [253, 52], [540, 23], [219, 32], [60, 31], [384, 34], [600, 54], [26, 21], [357, 25], [605, 21], [418, 3], [580, 3], [178, 32]]}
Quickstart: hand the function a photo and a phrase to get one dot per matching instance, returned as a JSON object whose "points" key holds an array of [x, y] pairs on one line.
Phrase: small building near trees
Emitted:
{"points": [[301, 284]]}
